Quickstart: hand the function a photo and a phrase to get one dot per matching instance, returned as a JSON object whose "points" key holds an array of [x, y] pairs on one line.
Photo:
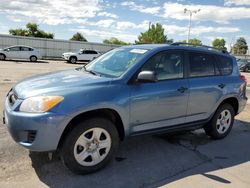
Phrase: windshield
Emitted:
{"points": [[115, 62], [241, 62]]}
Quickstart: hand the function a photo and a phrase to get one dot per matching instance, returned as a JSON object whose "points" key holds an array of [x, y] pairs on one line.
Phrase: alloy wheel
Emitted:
{"points": [[224, 121], [92, 146]]}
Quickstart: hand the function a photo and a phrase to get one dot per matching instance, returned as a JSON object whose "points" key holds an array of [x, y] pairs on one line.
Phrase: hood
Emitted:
{"points": [[69, 53], [61, 81]]}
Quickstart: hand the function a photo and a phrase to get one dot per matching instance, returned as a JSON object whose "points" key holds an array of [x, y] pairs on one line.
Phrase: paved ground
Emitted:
{"points": [[181, 160]]}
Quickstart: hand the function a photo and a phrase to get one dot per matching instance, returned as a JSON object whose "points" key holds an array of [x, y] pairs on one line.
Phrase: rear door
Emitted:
{"points": [[25, 52], [206, 85], [90, 54]]}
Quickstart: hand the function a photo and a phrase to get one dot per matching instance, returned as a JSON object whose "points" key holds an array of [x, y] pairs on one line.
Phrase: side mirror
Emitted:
{"points": [[146, 76]]}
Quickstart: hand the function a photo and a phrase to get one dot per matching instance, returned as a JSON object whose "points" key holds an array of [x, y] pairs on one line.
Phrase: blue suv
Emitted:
{"points": [[140, 89]]}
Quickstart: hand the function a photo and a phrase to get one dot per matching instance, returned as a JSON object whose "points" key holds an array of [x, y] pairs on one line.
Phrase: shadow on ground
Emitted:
{"points": [[27, 61], [152, 161]]}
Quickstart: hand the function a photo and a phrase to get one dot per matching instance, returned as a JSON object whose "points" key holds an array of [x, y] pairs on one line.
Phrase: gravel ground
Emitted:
{"points": [[181, 160]]}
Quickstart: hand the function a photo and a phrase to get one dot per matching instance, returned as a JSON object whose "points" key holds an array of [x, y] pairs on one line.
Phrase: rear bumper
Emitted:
{"points": [[36, 132], [242, 104]]}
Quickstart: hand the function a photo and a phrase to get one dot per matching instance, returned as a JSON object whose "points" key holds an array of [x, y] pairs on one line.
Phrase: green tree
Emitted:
{"points": [[193, 41], [114, 40], [31, 30], [19, 32], [219, 44], [79, 37], [240, 47], [155, 34]]}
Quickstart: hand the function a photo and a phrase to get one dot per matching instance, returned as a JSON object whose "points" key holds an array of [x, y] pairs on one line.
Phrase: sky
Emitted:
{"points": [[102, 19]]}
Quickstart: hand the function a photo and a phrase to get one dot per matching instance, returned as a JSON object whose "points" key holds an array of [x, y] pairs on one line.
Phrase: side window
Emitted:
{"points": [[166, 65], [225, 65], [201, 65], [24, 49], [91, 52], [14, 49]]}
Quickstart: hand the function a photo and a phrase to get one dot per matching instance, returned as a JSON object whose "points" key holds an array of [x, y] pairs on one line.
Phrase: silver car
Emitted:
{"points": [[20, 52]]}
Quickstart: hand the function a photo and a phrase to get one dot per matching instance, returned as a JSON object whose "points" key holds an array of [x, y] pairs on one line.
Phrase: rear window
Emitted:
{"points": [[201, 64], [225, 65]]}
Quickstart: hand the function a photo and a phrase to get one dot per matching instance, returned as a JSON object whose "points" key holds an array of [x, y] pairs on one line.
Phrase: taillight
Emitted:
{"points": [[243, 78]]}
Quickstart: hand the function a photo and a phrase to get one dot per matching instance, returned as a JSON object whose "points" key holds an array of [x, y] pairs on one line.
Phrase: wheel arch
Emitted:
{"points": [[233, 101], [107, 113], [73, 56], [3, 55]]}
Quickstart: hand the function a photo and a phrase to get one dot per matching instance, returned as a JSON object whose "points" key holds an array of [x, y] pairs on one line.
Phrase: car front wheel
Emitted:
{"points": [[2, 57], [72, 60], [90, 145], [221, 123]]}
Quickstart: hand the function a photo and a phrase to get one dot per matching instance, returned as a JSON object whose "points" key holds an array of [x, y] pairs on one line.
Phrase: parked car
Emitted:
{"points": [[20, 52], [82, 55], [85, 112], [244, 65]]}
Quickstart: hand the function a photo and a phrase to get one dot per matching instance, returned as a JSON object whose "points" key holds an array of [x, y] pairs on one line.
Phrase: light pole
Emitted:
{"points": [[191, 12]]}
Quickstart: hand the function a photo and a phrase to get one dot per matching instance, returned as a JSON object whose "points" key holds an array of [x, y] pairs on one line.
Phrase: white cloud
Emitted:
{"points": [[180, 30], [217, 14], [107, 14], [50, 12], [101, 35], [125, 25], [104, 23], [237, 2], [135, 7]]}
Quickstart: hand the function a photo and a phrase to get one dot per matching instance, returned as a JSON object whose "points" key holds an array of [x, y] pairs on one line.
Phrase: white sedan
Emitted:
{"points": [[82, 55], [20, 52]]}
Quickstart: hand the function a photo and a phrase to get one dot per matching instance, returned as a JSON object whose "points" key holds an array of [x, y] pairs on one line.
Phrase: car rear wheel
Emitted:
{"points": [[33, 58], [2, 57], [90, 145], [72, 60], [221, 123]]}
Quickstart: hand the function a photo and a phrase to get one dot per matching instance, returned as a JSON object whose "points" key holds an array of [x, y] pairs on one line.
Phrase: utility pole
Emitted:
{"points": [[191, 12]]}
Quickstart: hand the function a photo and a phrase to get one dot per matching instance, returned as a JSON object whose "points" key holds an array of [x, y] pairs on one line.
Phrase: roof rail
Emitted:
{"points": [[197, 45]]}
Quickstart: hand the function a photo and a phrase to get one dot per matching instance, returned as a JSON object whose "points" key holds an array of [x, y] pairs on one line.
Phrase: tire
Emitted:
{"points": [[246, 69], [73, 60], [2, 57], [81, 144], [221, 123], [33, 58]]}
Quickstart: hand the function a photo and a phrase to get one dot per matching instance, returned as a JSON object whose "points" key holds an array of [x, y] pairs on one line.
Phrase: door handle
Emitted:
{"points": [[221, 85], [182, 89]]}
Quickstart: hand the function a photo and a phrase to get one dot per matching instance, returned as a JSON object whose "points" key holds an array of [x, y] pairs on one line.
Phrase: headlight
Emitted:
{"points": [[40, 104]]}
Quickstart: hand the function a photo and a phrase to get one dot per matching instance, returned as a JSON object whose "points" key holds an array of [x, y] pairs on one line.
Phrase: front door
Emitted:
{"points": [[13, 52], [162, 103]]}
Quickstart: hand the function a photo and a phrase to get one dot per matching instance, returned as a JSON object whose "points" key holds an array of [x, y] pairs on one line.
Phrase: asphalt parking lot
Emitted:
{"points": [[189, 159]]}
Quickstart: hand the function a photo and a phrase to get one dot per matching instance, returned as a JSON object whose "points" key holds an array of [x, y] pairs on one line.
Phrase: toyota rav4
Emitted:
{"points": [[85, 112]]}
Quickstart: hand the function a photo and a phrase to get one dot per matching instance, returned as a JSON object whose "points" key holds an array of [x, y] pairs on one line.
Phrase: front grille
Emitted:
{"points": [[31, 136]]}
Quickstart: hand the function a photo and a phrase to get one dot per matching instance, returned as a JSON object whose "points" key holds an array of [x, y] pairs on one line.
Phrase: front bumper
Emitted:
{"points": [[35, 131], [65, 57]]}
